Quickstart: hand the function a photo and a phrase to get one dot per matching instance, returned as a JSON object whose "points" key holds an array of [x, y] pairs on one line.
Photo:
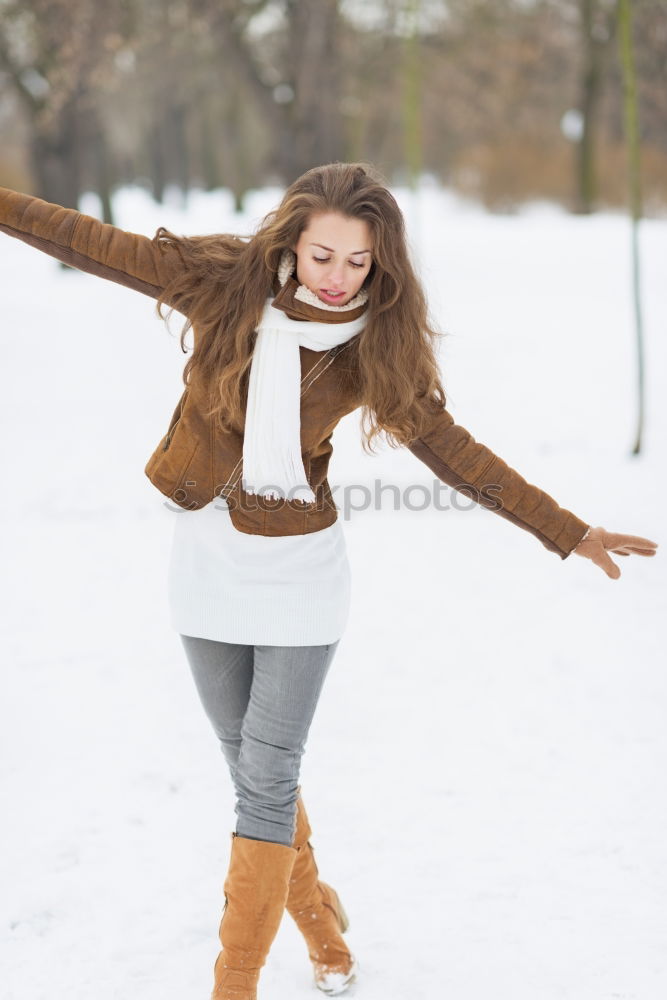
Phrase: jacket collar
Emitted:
{"points": [[296, 309]]}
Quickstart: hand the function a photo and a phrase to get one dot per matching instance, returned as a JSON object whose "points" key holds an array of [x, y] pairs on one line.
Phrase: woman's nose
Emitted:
{"points": [[335, 277]]}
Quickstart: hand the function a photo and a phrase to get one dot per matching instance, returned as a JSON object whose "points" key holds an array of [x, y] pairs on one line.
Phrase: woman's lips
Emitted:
{"points": [[329, 297]]}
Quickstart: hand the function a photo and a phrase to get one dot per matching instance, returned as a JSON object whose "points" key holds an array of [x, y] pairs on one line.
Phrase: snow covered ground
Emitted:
{"points": [[485, 772]]}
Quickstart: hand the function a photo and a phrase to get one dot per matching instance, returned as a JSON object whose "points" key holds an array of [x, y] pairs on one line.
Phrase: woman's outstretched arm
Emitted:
{"points": [[452, 453], [88, 244]]}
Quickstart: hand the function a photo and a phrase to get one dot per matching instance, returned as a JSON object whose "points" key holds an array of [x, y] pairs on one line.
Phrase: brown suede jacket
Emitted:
{"points": [[195, 461]]}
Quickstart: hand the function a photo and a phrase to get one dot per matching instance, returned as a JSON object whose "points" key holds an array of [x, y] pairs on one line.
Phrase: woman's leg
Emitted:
{"points": [[281, 697], [318, 912], [222, 673], [286, 686], [260, 701]]}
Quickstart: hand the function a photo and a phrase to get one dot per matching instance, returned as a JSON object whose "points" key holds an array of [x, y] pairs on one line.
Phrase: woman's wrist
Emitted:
{"points": [[584, 536]]}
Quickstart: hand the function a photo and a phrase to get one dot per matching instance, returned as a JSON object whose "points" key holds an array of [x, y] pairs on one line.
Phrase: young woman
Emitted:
{"points": [[318, 313]]}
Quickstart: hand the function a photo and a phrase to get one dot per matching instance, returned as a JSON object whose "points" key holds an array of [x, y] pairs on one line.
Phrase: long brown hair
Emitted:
{"points": [[224, 285]]}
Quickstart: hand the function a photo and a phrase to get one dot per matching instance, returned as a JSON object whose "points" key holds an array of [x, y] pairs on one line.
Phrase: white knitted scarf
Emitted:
{"points": [[272, 462]]}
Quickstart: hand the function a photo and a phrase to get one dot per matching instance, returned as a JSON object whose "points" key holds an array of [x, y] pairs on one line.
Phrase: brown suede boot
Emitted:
{"points": [[319, 915], [256, 890]]}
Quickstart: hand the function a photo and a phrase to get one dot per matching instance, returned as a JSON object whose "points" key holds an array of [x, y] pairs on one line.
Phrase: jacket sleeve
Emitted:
{"points": [[88, 244], [458, 460]]}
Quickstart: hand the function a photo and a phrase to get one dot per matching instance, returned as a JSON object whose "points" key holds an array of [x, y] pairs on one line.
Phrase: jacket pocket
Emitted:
{"points": [[168, 469], [183, 485]]}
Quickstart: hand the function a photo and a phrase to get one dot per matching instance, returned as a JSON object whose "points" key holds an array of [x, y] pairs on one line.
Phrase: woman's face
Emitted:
{"points": [[333, 256]]}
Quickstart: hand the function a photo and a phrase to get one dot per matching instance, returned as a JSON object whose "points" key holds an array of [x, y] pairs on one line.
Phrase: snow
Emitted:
{"points": [[485, 772]]}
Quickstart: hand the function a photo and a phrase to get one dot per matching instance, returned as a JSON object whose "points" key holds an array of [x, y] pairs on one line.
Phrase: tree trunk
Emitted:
{"points": [[590, 90], [316, 126], [209, 165], [631, 121], [156, 160], [54, 157], [412, 130], [177, 151], [597, 30], [96, 159]]}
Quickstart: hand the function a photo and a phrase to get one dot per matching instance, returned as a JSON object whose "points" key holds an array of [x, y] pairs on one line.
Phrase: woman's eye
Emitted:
{"points": [[325, 260]]}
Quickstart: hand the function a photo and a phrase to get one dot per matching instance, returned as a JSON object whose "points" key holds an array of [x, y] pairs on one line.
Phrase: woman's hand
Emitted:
{"points": [[599, 542]]}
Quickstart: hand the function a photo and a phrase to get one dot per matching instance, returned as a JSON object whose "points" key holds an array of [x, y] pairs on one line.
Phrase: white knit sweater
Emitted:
{"points": [[286, 590]]}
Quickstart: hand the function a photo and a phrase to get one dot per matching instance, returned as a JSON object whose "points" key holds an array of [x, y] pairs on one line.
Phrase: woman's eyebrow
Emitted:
{"points": [[322, 247]]}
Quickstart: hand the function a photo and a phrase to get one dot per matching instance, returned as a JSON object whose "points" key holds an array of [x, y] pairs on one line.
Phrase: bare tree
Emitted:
{"points": [[412, 94], [597, 20], [631, 117], [54, 52], [239, 93], [293, 77]]}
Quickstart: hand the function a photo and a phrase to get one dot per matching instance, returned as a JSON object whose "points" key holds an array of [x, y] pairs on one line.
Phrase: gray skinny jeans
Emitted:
{"points": [[260, 701]]}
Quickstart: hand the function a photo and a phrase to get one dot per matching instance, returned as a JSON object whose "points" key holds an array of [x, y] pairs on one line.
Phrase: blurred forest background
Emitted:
{"points": [[501, 100]]}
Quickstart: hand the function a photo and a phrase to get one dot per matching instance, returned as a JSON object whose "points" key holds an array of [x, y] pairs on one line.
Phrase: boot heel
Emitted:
{"points": [[342, 915]]}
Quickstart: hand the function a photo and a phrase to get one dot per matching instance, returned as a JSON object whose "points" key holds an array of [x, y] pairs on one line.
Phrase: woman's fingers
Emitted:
{"points": [[602, 559], [635, 543], [627, 550], [601, 542]]}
